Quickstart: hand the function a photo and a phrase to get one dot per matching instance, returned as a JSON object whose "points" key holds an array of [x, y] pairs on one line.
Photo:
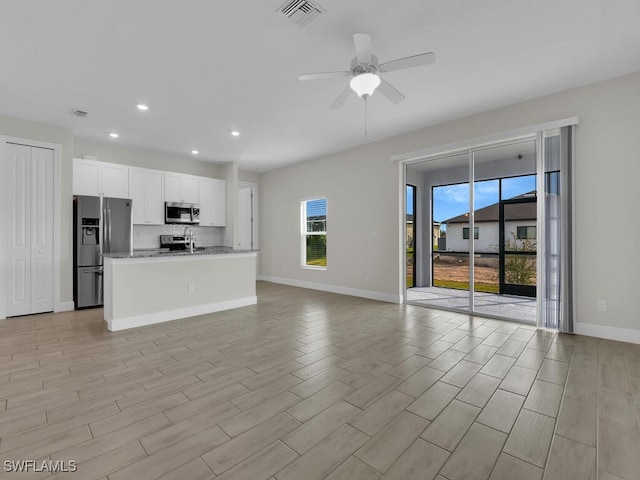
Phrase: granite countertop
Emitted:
{"points": [[163, 252]]}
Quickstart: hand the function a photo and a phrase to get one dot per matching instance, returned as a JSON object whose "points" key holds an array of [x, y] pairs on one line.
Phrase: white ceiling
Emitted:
{"points": [[207, 67]]}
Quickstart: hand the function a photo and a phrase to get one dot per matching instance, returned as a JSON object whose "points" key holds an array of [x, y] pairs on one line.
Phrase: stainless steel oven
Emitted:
{"points": [[185, 213]]}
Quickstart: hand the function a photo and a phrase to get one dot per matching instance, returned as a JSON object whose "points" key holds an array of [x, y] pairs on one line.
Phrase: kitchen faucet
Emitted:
{"points": [[190, 238]]}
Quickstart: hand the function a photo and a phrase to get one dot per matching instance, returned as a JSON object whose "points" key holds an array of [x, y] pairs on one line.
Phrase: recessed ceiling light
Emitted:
{"points": [[195, 152], [114, 135], [142, 107], [235, 133]]}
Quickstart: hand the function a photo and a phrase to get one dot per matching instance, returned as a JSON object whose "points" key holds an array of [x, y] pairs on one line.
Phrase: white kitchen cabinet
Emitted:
{"points": [[179, 187], [213, 205], [114, 180], [94, 178], [146, 189], [86, 174]]}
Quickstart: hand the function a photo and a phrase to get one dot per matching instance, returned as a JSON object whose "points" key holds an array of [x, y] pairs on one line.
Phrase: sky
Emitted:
{"points": [[317, 207], [452, 200]]}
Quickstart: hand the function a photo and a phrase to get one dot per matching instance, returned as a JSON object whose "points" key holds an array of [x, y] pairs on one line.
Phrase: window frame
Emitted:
{"points": [[476, 233], [527, 229], [304, 232]]}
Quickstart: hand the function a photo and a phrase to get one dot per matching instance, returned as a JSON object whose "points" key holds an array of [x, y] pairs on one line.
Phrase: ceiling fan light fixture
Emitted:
{"points": [[365, 84]]}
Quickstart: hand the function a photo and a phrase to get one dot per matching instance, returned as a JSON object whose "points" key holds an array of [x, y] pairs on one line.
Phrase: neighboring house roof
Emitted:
{"points": [[409, 218], [515, 211]]}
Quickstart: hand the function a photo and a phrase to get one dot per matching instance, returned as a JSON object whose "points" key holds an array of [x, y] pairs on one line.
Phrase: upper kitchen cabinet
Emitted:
{"points": [[213, 207], [94, 178], [181, 188], [146, 189]]}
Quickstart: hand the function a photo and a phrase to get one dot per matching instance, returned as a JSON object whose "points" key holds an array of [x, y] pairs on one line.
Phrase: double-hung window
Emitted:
{"points": [[314, 233]]}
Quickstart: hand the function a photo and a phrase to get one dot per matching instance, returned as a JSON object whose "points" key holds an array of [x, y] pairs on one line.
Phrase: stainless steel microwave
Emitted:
{"points": [[185, 213]]}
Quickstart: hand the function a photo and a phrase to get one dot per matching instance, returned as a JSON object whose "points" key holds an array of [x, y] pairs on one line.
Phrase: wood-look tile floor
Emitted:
{"points": [[309, 385]]}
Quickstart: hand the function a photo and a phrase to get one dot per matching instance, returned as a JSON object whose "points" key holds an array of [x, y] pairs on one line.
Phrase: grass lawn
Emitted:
{"points": [[317, 262], [409, 267], [478, 287]]}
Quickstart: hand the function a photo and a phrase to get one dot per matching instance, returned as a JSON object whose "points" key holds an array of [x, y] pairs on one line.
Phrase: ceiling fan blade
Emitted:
{"points": [[389, 91], [317, 76], [362, 42], [342, 98], [408, 62]]}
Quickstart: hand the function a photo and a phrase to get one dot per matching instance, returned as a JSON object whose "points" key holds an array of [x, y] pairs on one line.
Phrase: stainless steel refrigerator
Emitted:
{"points": [[100, 225]]}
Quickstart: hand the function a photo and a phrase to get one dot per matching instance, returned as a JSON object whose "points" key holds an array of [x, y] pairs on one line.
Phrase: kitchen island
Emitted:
{"points": [[151, 287]]}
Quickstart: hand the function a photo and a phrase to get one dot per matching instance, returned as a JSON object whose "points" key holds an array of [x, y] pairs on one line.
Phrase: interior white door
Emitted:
{"points": [[30, 250], [41, 230], [19, 247]]}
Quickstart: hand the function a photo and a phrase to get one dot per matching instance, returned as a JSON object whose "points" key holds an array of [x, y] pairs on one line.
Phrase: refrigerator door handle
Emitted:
{"points": [[109, 228], [105, 232], [100, 288], [96, 270], [101, 231]]}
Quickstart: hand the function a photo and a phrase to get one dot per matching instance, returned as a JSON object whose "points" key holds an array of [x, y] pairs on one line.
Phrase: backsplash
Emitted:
{"points": [[148, 236]]}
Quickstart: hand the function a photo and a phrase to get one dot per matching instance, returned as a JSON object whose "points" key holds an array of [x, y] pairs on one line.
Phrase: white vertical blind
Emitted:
{"points": [[557, 298]]}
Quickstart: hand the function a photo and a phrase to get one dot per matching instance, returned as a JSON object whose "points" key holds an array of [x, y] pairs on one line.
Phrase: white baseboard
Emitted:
{"points": [[354, 292], [64, 306], [117, 324], [610, 333]]}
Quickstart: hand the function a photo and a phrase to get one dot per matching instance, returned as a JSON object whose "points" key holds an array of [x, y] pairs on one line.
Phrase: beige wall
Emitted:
{"points": [[29, 130], [245, 176], [362, 188]]}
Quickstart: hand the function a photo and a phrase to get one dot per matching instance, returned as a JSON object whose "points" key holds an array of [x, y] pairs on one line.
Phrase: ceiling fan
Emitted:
{"points": [[365, 72]]}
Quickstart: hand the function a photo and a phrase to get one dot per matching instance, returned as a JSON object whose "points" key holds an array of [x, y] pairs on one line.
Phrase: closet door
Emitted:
{"points": [[30, 249], [41, 230], [19, 248]]}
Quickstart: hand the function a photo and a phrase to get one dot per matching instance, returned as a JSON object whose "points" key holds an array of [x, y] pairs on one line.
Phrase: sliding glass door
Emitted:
{"points": [[481, 205], [492, 230]]}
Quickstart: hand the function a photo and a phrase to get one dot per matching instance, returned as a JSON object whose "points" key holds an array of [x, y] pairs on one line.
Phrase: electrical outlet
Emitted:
{"points": [[191, 288], [602, 305]]}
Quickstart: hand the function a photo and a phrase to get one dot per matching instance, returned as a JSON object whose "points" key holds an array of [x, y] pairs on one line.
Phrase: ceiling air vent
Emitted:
{"points": [[301, 11], [79, 113]]}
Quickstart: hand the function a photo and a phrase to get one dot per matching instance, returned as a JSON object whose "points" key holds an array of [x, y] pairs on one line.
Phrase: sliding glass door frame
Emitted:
{"points": [[471, 151], [563, 283]]}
